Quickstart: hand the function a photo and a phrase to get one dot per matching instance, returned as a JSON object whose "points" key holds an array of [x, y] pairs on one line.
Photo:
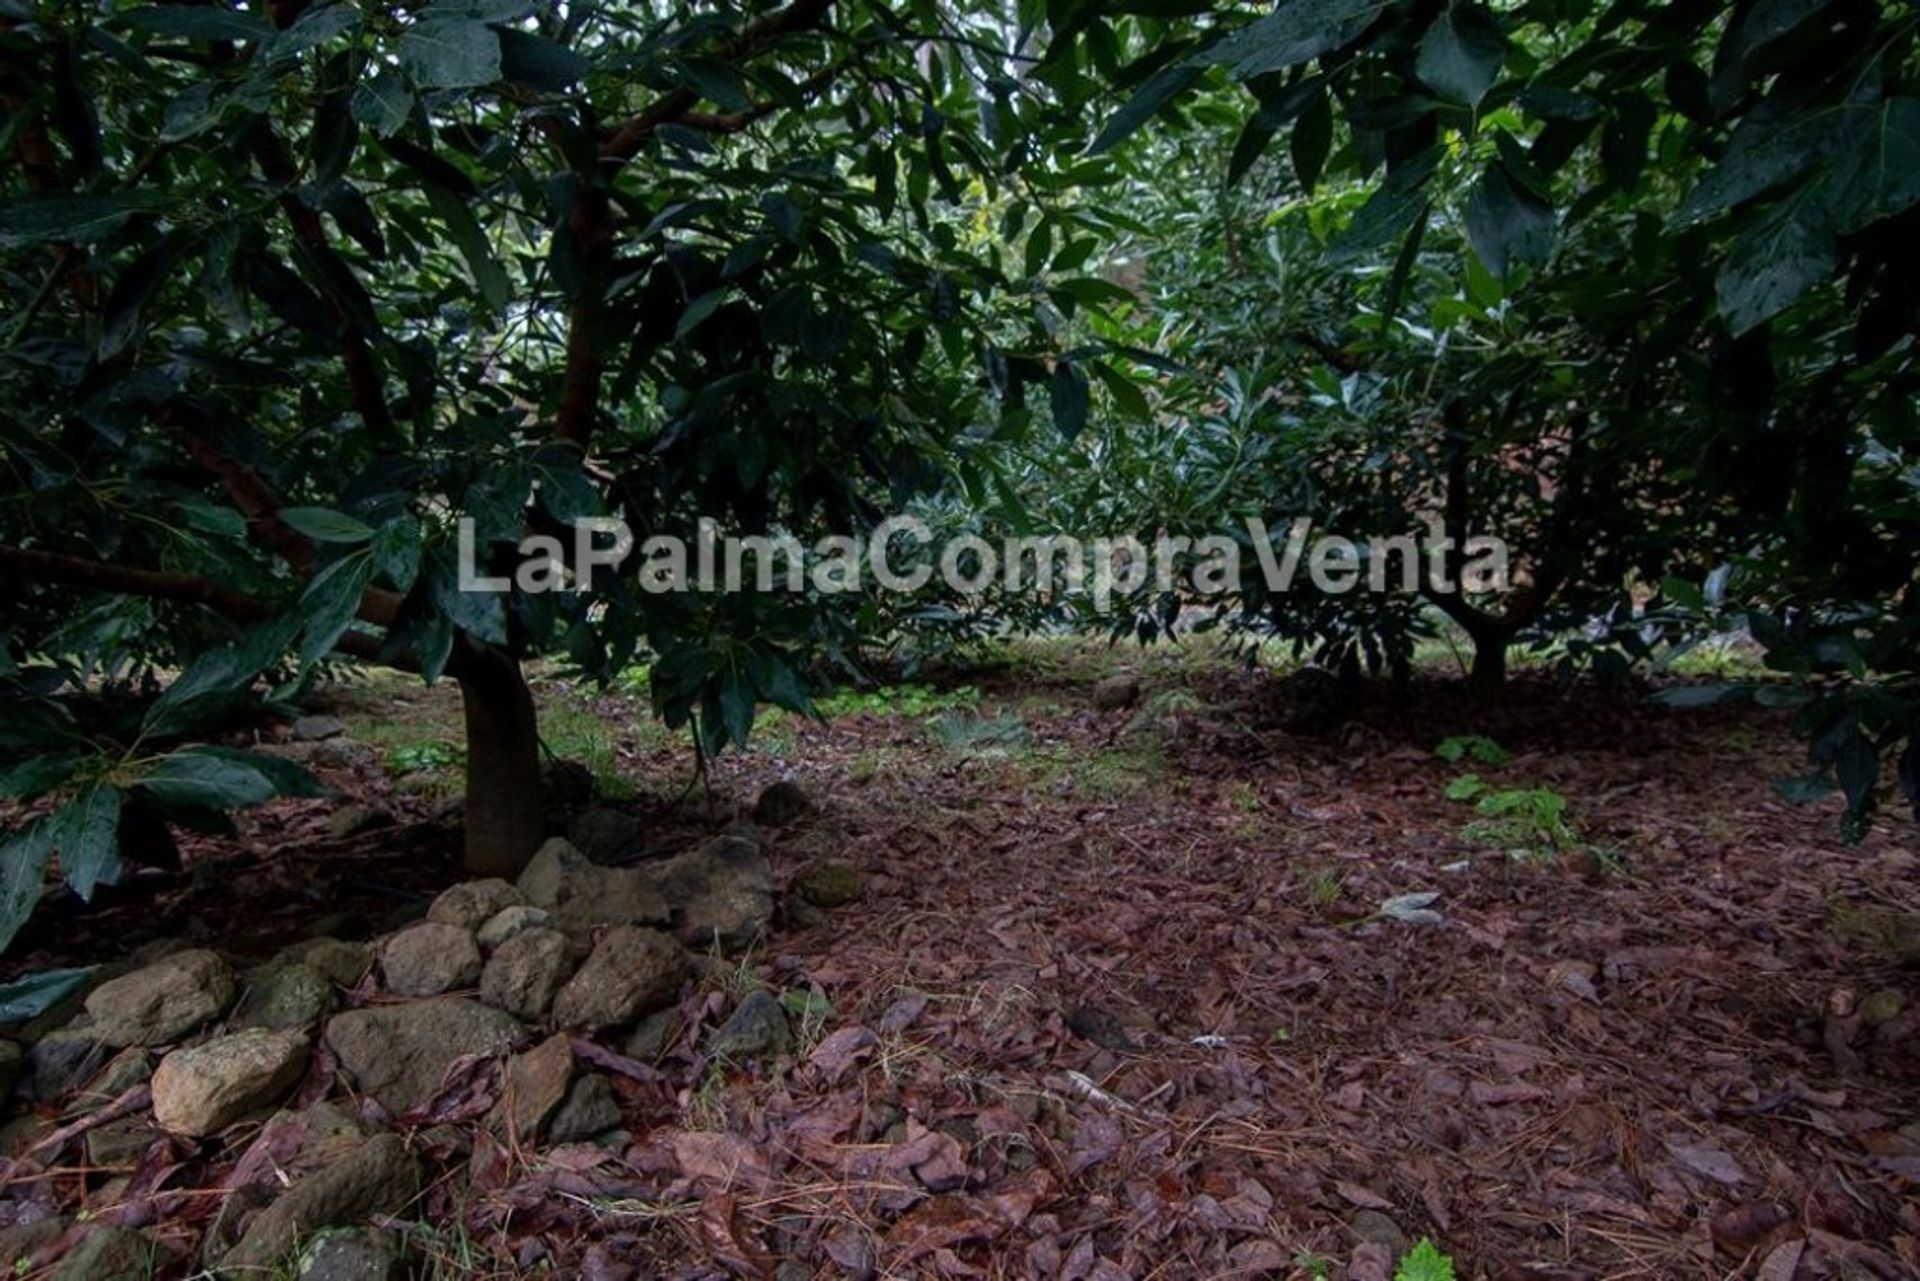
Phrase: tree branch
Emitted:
{"points": [[154, 584], [626, 139]]}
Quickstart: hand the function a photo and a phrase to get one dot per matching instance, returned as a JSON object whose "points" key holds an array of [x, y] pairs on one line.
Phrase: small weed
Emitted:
{"points": [[421, 758], [582, 734], [1316, 1266], [899, 700], [1528, 822], [811, 1011], [1246, 800], [1892, 933], [1424, 1262], [1474, 747], [962, 731], [1323, 887], [706, 1107]]}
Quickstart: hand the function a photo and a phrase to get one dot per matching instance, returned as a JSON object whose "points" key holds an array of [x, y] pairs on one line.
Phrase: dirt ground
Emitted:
{"points": [[1119, 997]]}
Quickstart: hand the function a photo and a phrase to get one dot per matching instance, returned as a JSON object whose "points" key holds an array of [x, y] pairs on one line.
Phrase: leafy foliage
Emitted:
{"points": [[1424, 1262]]}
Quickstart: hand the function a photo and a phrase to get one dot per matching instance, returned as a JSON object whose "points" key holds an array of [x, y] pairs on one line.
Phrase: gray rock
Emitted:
{"points": [[507, 922], [608, 836], [300, 753], [339, 961], [720, 893], [830, 885], [590, 1109], [13, 1066], [472, 904], [315, 729], [24, 1132], [119, 1144], [132, 1066], [62, 1060], [400, 1053], [430, 958], [162, 1002], [1116, 693], [581, 895], [632, 971], [344, 753], [285, 994], [205, 1088], [109, 1254], [534, 1087], [351, 820], [524, 973], [353, 1254], [1378, 1229], [22, 1239], [375, 1176], [652, 1035], [757, 1029], [782, 803]]}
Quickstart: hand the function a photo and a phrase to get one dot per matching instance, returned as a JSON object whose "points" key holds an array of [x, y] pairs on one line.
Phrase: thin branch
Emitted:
{"points": [[154, 584], [626, 139]]}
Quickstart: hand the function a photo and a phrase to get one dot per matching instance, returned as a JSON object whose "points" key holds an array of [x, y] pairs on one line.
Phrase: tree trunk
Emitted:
{"points": [[1488, 680], [505, 818]]}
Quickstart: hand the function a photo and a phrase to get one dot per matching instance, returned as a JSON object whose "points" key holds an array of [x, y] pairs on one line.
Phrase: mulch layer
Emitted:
{"points": [[1118, 1001]]}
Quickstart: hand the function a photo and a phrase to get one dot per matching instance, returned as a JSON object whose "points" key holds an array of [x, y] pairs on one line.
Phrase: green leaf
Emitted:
{"points": [[475, 247], [330, 604], [396, 552], [1424, 1263], [450, 53], [218, 678], [1506, 223], [1155, 92], [1128, 398], [75, 220], [1788, 251], [197, 779], [540, 63], [1460, 55], [698, 310], [324, 526], [481, 614], [1878, 172], [1296, 31], [1760, 156], [1312, 140], [314, 28], [383, 103], [1702, 695], [288, 779], [39, 775], [1803, 789], [31, 995], [36, 722], [86, 832], [1389, 213], [198, 22], [23, 868], [1067, 393]]}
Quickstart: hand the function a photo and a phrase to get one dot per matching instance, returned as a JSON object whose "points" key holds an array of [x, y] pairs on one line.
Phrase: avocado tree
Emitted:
{"points": [[294, 290], [1683, 236]]}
